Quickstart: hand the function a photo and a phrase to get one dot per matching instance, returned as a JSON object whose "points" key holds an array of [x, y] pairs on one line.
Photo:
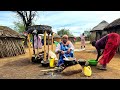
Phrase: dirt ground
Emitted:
{"points": [[20, 67]]}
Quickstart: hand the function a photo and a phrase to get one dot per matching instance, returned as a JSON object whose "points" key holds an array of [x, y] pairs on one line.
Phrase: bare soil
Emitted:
{"points": [[20, 67]]}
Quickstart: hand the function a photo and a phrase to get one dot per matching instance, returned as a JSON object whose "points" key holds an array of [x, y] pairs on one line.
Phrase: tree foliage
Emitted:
{"points": [[64, 31], [27, 17], [19, 27], [87, 33]]}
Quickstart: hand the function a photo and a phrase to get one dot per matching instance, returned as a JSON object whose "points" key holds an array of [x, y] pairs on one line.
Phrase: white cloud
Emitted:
{"points": [[75, 21]]}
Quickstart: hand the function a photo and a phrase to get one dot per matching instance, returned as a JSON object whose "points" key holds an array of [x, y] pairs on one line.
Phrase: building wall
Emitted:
{"points": [[118, 31], [96, 35], [92, 36], [11, 47], [104, 32]]}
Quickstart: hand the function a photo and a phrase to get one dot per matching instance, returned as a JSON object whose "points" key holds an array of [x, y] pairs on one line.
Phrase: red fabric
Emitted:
{"points": [[110, 48]]}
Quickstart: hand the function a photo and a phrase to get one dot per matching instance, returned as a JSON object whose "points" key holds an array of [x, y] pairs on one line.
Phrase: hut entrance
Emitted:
{"points": [[98, 35]]}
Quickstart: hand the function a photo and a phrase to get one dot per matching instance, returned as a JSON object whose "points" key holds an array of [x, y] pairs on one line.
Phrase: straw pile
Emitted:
{"points": [[74, 69]]}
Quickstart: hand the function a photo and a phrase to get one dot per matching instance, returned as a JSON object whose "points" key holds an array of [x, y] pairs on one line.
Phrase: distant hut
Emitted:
{"points": [[114, 27], [71, 38], [10, 42], [57, 38], [98, 31]]}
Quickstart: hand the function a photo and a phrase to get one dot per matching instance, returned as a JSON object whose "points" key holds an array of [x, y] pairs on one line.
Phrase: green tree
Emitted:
{"points": [[27, 19], [87, 34], [19, 27], [64, 31]]}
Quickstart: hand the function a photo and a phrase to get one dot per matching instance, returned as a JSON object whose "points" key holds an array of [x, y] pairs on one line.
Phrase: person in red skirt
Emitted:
{"points": [[109, 43]]}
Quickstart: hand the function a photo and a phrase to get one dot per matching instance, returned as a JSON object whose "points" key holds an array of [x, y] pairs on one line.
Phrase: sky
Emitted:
{"points": [[76, 21]]}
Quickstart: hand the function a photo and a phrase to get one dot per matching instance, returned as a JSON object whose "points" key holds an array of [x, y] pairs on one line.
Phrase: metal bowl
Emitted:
{"points": [[69, 59], [82, 62]]}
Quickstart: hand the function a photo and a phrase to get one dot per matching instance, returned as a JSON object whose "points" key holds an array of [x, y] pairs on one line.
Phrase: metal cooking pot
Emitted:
{"points": [[70, 62]]}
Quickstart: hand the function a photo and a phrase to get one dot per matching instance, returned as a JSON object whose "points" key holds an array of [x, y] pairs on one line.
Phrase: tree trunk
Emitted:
{"points": [[25, 42]]}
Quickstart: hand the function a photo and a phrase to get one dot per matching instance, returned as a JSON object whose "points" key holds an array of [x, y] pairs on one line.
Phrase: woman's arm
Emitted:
{"points": [[71, 46], [57, 49], [98, 54]]}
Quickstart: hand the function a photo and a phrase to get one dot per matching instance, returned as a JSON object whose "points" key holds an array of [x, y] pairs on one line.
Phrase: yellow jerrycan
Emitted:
{"points": [[87, 71], [52, 62]]}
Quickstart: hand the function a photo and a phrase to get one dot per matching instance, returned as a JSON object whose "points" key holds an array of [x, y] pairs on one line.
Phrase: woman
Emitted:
{"points": [[82, 37], [109, 43], [64, 48]]}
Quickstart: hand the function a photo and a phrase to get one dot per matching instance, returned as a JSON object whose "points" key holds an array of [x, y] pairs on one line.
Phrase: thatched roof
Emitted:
{"points": [[71, 37], [113, 24], [40, 29], [56, 36], [100, 26], [8, 32]]}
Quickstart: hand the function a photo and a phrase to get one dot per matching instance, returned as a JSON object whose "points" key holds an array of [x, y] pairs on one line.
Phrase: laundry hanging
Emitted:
{"points": [[37, 43]]}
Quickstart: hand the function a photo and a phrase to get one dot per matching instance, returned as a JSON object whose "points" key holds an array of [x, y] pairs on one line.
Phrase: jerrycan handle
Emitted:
{"points": [[89, 67]]}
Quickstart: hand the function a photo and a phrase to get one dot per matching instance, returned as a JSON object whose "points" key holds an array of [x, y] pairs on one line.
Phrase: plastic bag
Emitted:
{"points": [[52, 55]]}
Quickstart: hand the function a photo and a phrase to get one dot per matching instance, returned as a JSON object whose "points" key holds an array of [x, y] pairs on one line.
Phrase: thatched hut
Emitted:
{"points": [[71, 38], [98, 31], [10, 42], [57, 38], [114, 27]]}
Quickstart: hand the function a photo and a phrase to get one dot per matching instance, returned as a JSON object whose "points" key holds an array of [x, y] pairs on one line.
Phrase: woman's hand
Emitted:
{"points": [[62, 52], [68, 51]]}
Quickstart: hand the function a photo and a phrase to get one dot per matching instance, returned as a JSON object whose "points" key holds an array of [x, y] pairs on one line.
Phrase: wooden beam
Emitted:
{"points": [[37, 45], [33, 46], [30, 55], [48, 45], [45, 45], [52, 42]]}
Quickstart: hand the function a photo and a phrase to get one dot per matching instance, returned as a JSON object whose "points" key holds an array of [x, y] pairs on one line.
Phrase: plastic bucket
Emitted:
{"points": [[52, 62], [92, 62]]}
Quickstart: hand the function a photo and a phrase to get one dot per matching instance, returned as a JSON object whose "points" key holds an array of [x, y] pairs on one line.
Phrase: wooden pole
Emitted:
{"points": [[52, 42], [29, 47], [45, 46], [48, 44], [33, 46], [37, 45]]}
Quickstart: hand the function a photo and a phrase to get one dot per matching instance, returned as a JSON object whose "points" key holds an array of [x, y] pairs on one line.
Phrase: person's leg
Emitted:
{"points": [[71, 54], [84, 43], [107, 56], [101, 67], [109, 51], [81, 44], [60, 61]]}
